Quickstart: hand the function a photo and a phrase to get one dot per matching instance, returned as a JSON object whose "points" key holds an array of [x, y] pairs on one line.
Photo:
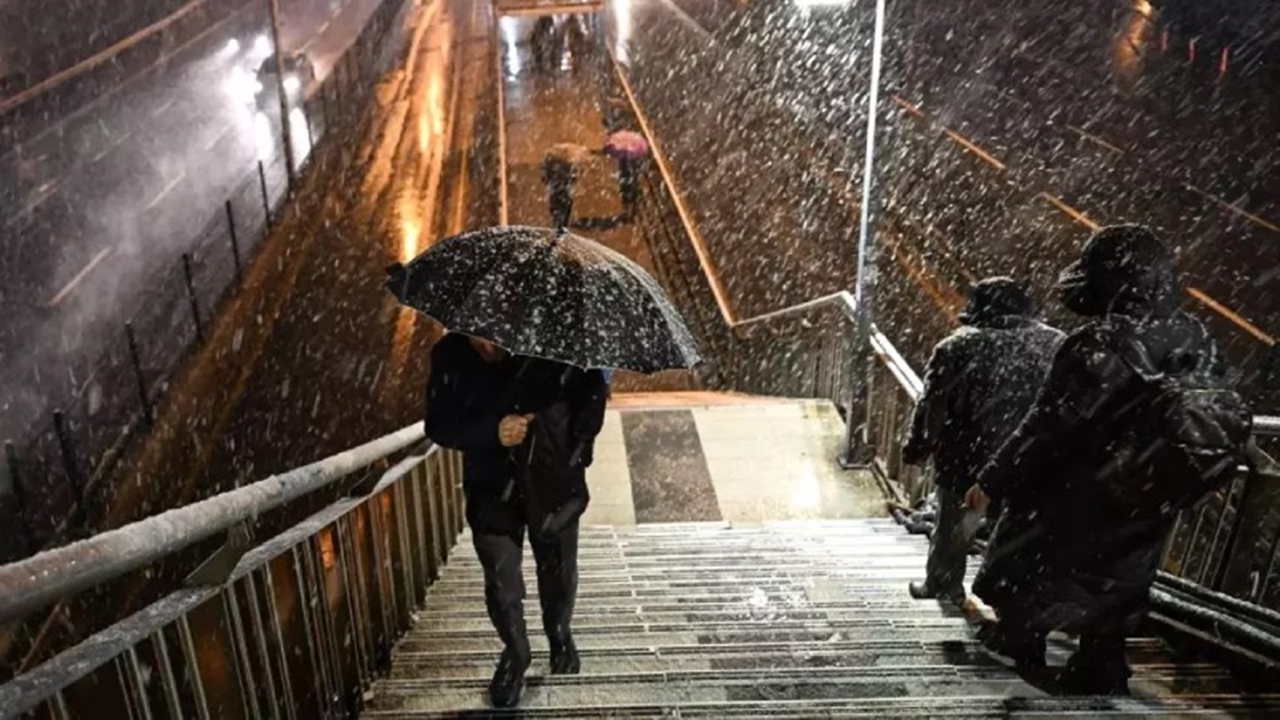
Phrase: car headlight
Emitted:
{"points": [[292, 84]]}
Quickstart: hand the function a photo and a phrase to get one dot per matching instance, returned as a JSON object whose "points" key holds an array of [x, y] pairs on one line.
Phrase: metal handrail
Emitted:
{"points": [[33, 583], [1268, 425]]}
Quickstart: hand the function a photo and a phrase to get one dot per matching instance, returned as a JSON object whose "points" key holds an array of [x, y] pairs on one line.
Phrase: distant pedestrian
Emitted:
{"points": [[543, 43], [1136, 421], [979, 384], [560, 173], [630, 149]]}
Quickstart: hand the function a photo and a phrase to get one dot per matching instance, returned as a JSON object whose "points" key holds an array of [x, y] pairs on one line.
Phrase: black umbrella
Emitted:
{"points": [[550, 295]]}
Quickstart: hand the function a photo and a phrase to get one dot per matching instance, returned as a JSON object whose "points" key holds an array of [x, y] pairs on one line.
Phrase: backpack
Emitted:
{"points": [[1179, 433]]}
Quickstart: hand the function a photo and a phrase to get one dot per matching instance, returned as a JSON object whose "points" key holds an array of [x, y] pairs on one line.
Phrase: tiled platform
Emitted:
{"points": [[711, 458]]}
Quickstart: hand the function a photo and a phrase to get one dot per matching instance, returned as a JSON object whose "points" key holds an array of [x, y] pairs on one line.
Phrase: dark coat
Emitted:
{"points": [[541, 483], [980, 382], [1065, 555]]}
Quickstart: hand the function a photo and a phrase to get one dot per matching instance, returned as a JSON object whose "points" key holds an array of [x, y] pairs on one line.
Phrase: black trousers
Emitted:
{"points": [[560, 198], [949, 546], [556, 555]]}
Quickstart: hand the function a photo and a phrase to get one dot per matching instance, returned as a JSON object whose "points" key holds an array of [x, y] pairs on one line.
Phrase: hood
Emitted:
{"points": [[994, 298], [1124, 269]]}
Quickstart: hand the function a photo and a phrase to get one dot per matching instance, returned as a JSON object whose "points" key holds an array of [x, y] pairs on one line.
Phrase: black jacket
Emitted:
{"points": [[1064, 553], [467, 397], [980, 382]]}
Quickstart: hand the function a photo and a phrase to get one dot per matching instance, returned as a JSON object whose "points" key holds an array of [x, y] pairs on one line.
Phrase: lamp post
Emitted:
{"points": [[856, 450]]}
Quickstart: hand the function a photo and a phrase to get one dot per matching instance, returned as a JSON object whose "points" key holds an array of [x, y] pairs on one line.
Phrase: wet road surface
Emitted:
{"points": [[1012, 130], [314, 352], [98, 204]]}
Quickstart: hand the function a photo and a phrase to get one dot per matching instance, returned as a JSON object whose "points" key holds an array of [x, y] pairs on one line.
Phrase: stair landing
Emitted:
{"points": [[702, 457]]}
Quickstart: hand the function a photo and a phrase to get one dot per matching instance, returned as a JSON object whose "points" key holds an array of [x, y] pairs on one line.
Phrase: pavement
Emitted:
{"points": [[1013, 129]]}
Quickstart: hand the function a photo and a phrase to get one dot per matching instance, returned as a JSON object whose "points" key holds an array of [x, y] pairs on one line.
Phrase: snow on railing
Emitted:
{"points": [[37, 581]]}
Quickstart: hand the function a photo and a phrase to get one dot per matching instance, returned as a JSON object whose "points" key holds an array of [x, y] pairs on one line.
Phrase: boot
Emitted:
{"points": [[564, 656], [508, 680], [1026, 650], [1084, 678], [921, 591], [924, 591]]}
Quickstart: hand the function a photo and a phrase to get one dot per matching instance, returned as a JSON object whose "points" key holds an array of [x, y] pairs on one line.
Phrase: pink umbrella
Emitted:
{"points": [[627, 145]]}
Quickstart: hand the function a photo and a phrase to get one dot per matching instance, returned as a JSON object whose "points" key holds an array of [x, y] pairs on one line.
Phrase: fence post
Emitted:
{"points": [[266, 200], [137, 374], [311, 135], [235, 241], [80, 516], [191, 295], [325, 112], [286, 132], [19, 497]]}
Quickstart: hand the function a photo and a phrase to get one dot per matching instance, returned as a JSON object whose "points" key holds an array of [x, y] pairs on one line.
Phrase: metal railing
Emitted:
{"points": [[296, 627], [59, 475]]}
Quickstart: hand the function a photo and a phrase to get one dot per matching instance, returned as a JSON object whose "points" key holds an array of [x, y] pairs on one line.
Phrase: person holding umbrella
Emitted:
{"points": [[560, 173], [526, 427], [630, 149], [535, 316]]}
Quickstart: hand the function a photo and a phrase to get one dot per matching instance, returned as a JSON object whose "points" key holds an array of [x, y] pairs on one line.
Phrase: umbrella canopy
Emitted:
{"points": [[627, 145], [567, 153], [546, 294]]}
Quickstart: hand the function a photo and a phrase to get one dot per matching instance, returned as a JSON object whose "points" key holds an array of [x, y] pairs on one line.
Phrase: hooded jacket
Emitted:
{"points": [[980, 382], [1064, 553]]}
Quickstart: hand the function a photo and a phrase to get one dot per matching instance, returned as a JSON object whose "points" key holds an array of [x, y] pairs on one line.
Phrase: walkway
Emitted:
{"points": [[546, 108]]}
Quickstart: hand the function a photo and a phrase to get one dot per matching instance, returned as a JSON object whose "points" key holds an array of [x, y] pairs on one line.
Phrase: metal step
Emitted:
{"points": [[777, 684], [941, 706], [803, 619]]}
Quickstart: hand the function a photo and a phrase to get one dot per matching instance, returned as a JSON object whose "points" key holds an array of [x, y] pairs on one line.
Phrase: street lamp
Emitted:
{"points": [[858, 407]]}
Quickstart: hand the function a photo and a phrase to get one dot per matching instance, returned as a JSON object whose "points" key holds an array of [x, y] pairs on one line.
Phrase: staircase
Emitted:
{"points": [[798, 619]]}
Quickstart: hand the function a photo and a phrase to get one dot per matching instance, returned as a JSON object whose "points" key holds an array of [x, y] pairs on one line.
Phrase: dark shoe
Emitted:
{"points": [[922, 591], [1078, 679], [508, 679], [1027, 652], [564, 657]]}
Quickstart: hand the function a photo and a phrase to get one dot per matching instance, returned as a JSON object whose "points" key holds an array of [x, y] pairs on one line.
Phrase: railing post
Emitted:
{"points": [[285, 129], [19, 496], [235, 240], [138, 376], [266, 199], [79, 518], [189, 276], [311, 135]]}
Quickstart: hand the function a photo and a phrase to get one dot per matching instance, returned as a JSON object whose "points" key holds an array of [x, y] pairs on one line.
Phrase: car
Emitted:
{"points": [[299, 80]]}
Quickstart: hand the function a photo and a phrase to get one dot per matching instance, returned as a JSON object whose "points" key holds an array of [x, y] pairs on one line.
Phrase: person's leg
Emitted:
{"points": [[1017, 639], [948, 551], [561, 206], [500, 556], [1099, 667], [557, 558]]}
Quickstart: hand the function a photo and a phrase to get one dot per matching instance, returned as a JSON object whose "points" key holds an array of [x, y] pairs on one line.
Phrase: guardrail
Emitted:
{"points": [[298, 626], [1228, 546]]}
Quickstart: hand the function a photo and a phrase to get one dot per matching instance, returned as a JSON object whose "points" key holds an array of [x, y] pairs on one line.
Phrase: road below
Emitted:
{"points": [[97, 207]]}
